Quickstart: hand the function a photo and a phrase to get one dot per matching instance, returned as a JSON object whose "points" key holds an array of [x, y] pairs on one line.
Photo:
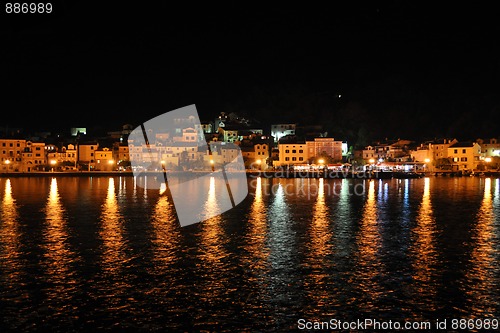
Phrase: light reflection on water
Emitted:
{"points": [[481, 273], [367, 260], [102, 252], [212, 247], [9, 232], [112, 283], [424, 250], [320, 246], [59, 257], [111, 233], [10, 249], [255, 244]]}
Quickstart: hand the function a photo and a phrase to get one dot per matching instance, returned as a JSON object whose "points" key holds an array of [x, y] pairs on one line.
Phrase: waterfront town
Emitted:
{"points": [[281, 146]]}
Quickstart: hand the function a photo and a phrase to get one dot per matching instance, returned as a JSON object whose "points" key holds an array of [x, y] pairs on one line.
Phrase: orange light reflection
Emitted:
{"points": [[58, 252], [424, 248], [481, 274]]}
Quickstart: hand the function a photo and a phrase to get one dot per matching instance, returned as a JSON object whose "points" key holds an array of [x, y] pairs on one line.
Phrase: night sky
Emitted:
{"points": [[402, 69]]}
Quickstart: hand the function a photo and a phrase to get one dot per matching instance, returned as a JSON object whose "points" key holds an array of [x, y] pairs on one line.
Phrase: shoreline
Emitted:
{"points": [[255, 174]]}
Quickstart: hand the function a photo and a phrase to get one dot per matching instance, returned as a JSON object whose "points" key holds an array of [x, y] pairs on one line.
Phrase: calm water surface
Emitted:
{"points": [[86, 253]]}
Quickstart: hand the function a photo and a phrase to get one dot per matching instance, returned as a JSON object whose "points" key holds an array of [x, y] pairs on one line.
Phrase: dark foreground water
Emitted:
{"points": [[87, 253]]}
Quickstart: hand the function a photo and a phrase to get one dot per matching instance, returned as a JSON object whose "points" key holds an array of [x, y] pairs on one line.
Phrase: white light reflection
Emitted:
{"points": [[121, 186], [211, 205], [163, 188], [281, 243], [406, 193], [497, 194], [380, 190], [343, 216], [135, 188]]}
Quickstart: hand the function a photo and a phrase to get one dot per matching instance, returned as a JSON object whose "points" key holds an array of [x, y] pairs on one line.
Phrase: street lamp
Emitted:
{"points": [[427, 160], [321, 165], [53, 163], [111, 164], [372, 162], [488, 160], [259, 162], [321, 161]]}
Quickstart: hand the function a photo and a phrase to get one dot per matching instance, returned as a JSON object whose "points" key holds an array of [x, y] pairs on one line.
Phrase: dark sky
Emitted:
{"points": [[403, 69]]}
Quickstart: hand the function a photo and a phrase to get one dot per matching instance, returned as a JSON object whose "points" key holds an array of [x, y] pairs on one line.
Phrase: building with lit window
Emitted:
{"points": [[325, 146], [433, 153], [86, 153], [280, 130], [465, 156], [104, 159], [11, 154], [489, 148], [292, 153], [223, 153], [121, 152], [63, 157]]}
